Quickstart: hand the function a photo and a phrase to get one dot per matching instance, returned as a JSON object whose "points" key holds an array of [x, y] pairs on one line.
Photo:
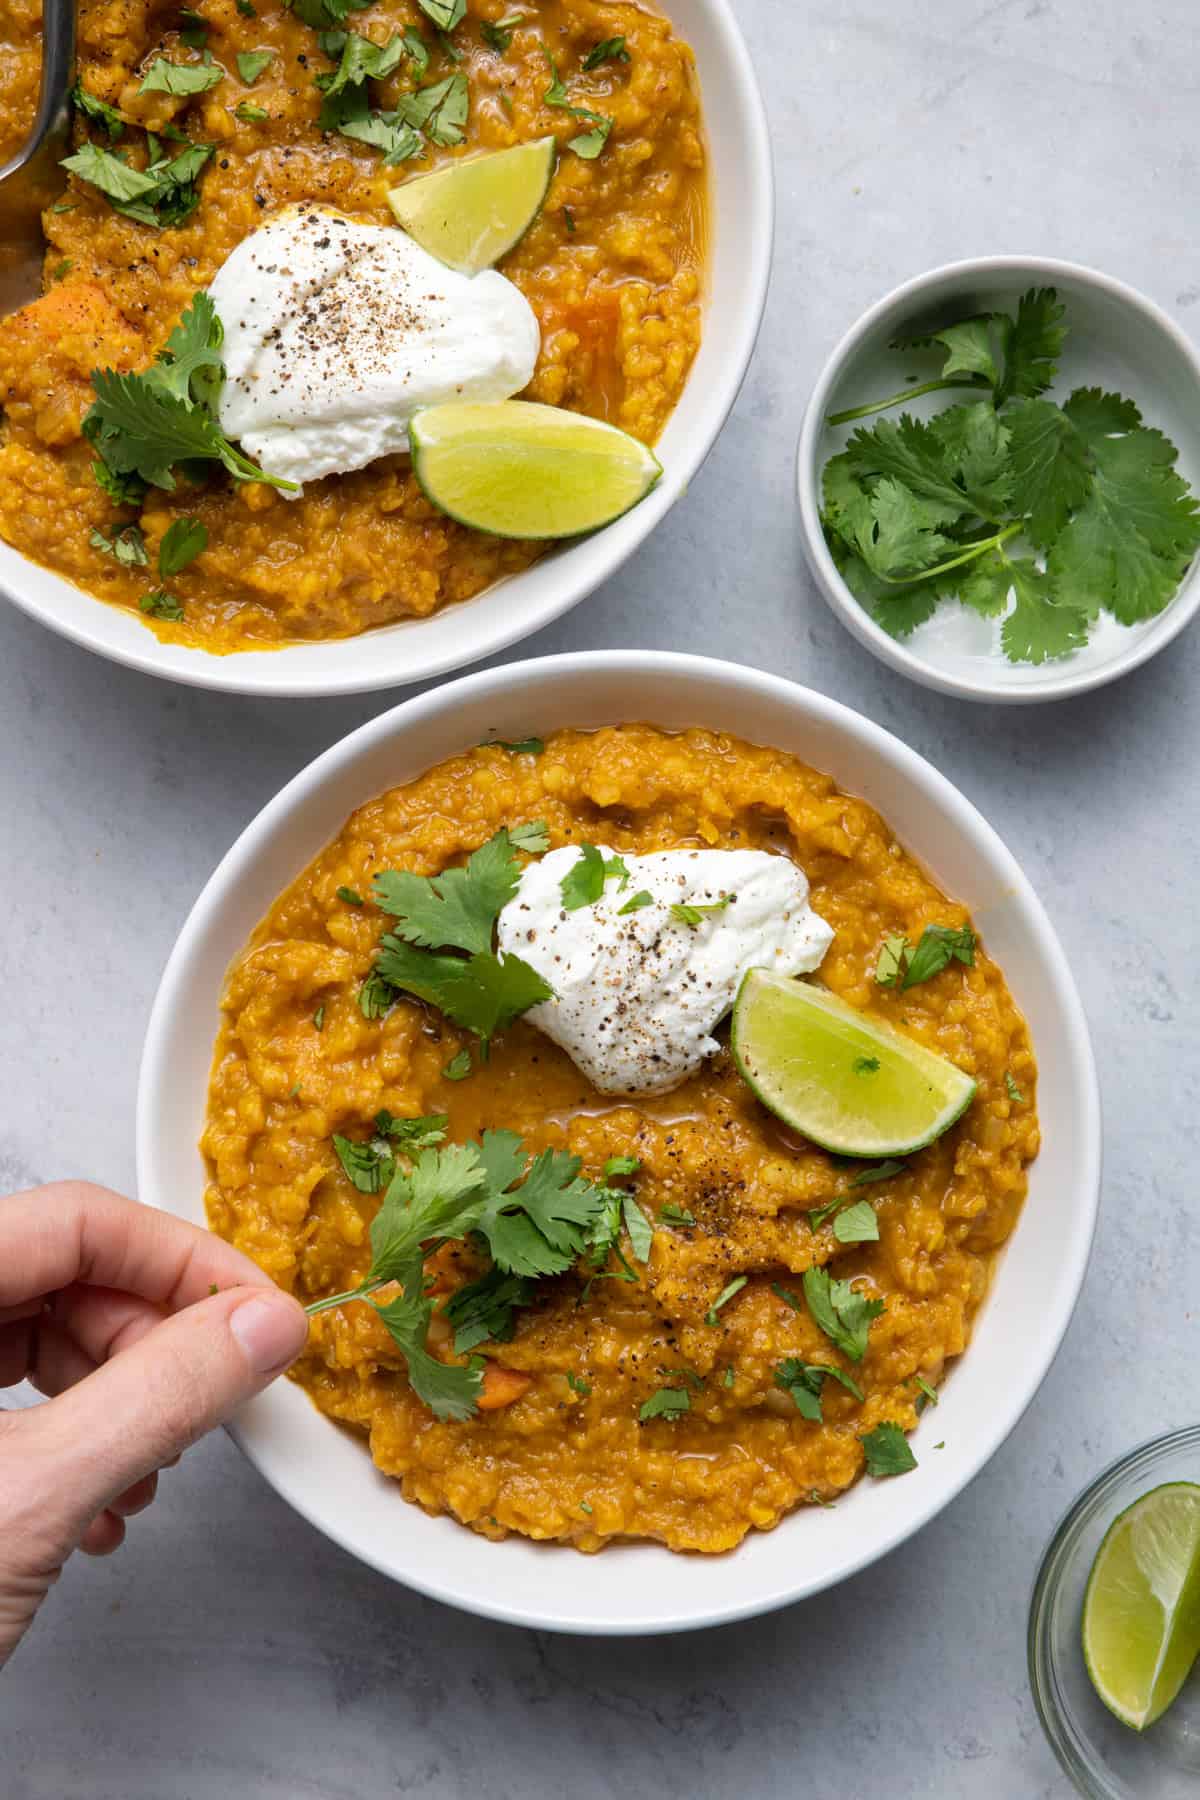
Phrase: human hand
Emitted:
{"points": [[108, 1307]]}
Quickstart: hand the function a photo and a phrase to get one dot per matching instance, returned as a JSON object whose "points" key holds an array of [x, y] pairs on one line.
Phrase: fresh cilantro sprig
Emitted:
{"points": [[533, 1214], [144, 426], [887, 1450], [1038, 514], [440, 945], [840, 1311], [583, 883], [804, 1381], [903, 966]]}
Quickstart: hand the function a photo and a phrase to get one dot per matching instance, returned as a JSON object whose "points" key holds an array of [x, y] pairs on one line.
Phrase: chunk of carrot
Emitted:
{"points": [[501, 1387]]}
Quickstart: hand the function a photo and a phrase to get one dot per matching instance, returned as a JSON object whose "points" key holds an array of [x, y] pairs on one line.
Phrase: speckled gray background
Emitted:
{"points": [[229, 1653]]}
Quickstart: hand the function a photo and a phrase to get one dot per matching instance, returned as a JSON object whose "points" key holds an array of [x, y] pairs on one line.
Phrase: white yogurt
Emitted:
{"points": [[637, 994], [336, 333]]}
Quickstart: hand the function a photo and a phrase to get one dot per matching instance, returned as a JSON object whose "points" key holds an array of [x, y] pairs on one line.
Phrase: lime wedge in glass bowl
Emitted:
{"points": [[851, 1083], [1141, 1611], [474, 211], [521, 470]]}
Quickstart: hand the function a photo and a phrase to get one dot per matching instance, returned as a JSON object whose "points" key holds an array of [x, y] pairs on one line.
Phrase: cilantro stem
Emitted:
{"points": [[913, 393], [956, 562], [358, 1293]]}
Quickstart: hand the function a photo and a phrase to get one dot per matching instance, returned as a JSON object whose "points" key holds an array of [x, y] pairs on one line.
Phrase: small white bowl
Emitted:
{"points": [[327, 1474], [1117, 339], [741, 235]]}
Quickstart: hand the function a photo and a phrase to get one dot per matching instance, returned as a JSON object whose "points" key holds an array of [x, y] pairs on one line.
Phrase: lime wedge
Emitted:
{"points": [[526, 471], [471, 214], [849, 1082], [1141, 1612]]}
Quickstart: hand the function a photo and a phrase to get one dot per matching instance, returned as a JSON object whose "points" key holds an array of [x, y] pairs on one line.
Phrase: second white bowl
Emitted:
{"points": [[326, 1474]]}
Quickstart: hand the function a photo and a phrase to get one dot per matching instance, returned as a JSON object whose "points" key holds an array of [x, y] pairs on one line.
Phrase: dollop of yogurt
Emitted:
{"points": [[637, 993], [336, 333]]}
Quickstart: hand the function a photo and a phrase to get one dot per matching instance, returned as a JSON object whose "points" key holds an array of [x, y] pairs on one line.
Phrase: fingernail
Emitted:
{"points": [[271, 1330]]}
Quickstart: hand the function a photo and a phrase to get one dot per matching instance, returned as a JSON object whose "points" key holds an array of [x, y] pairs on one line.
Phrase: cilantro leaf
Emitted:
{"points": [[459, 1066], [1051, 468], [636, 902], [500, 33], [804, 1381], [893, 960], [1032, 343], [533, 838], [368, 1165], [359, 58], [111, 174], [351, 115], [912, 453], [325, 15], [641, 1232], [413, 1133], [670, 1214], [182, 543], [611, 50], [163, 77], [252, 63], [530, 746], [617, 1166], [987, 584], [939, 946], [878, 1172], [539, 1227], [449, 1391], [843, 1314], [126, 546], [484, 992], [159, 604], [483, 1311], [250, 115], [556, 94], [439, 110], [724, 1297], [446, 14], [1014, 1092], [977, 450], [686, 912], [664, 1403], [1040, 628], [439, 1195], [888, 1451], [857, 1224], [903, 541], [458, 908], [376, 996], [583, 883], [98, 111], [589, 144], [1096, 414]]}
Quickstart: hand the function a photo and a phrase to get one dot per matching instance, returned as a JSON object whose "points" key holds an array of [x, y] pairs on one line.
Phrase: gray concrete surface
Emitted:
{"points": [[229, 1653]]}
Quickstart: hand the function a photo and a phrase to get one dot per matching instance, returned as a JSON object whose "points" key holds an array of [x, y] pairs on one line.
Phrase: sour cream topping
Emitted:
{"points": [[335, 334], [637, 994]]}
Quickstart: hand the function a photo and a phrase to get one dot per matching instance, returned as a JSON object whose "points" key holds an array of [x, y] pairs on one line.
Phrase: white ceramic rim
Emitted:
{"points": [[856, 619], [663, 668], [302, 671]]}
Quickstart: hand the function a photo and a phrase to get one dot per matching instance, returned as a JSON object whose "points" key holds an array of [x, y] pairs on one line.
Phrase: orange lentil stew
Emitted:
{"points": [[653, 1403], [612, 267]]}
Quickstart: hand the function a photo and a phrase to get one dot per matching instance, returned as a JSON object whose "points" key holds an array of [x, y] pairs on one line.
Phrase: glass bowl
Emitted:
{"points": [[1105, 1759]]}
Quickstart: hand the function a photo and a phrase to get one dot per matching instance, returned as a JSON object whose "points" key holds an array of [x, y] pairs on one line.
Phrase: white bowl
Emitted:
{"points": [[741, 234], [328, 1475], [1116, 339]]}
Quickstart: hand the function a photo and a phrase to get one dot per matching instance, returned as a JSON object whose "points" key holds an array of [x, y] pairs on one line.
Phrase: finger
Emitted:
{"points": [[102, 1321], [58, 1361], [149, 1402], [72, 1231], [105, 1534], [27, 1309], [16, 1351], [135, 1499]]}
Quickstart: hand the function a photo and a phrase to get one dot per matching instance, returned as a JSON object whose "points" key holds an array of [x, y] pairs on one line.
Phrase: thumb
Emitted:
{"points": [[154, 1399]]}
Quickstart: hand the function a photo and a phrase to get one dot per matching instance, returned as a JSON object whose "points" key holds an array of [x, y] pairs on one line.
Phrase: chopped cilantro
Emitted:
{"points": [[877, 1172], [641, 1232], [193, 28], [499, 34], [252, 63], [577, 1384], [617, 1166], [888, 1451], [585, 1507], [804, 1381], [485, 1310], [728, 1379], [126, 545], [319, 1019], [671, 1214], [182, 542], [531, 746], [857, 1225], [159, 604], [163, 77], [459, 1067], [611, 50], [893, 958], [685, 913], [587, 144], [376, 997], [866, 1065], [724, 1297], [842, 1313], [350, 895], [1014, 1092], [533, 838], [250, 115], [583, 883], [446, 14], [786, 1295], [164, 194], [928, 1394], [665, 1403], [99, 112], [939, 946], [636, 902]]}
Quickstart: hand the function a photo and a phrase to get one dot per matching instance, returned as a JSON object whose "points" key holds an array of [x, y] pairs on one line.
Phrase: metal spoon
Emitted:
{"points": [[32, 179]]}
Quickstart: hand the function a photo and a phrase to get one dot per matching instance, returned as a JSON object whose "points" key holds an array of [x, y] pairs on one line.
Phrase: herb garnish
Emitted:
{"points": [[446, 14], [99, 111], [126, 545], [485, 1310], [843, 1314], [676, 1215], [532, 1213], [685, 912], [251, 64], [143, 426], [164, 194], [928, 1394], [530, 746], [438, 918], [901, 966], [250, 115], [163, 77], [804, 1381], [371, 1165], [350, 896], [583, 883], [665, 1403], [577, 1384], [617, 1166], [182, 542], [159, 604], [724, 1297], [499, 34], [459, 1067], [588, 144], [1014, 1092], [636, 902], [611, 50], [917, 513], [857, 1225], [888, 1450]]}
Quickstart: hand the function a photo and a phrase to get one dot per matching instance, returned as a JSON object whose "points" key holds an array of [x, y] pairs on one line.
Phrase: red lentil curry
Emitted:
{"points": [[559, 1449], [611, 268]]}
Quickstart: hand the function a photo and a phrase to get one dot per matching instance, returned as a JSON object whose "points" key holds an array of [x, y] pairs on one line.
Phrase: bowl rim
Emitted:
{"points": [[297, 671], [1047, 271], [1066, 1743], [666, 667]]}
